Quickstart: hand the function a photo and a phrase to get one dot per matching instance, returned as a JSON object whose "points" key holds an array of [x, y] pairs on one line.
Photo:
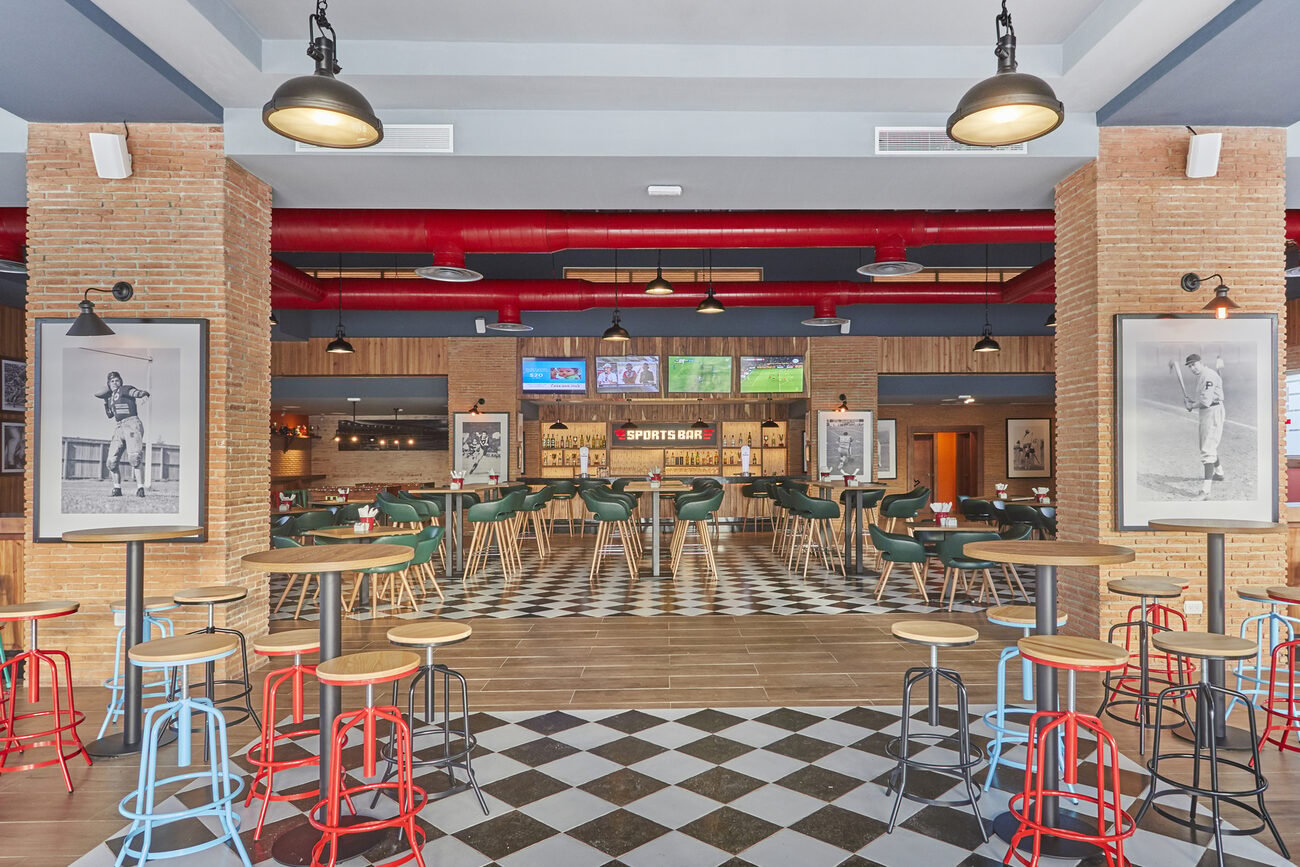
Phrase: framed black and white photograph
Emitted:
{"points": [[845, 443], [13, 447], [1196, 418], [887, 448], [121, 426], [1029, 448], [481, 445], [13, 385]]}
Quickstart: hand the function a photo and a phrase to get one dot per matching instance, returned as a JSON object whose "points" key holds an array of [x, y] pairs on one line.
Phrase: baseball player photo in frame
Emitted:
{"points": [[1197, 418], [121, 426]]}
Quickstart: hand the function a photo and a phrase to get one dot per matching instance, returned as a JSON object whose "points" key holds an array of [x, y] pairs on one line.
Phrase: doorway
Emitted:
{"points": [[947, 462]]}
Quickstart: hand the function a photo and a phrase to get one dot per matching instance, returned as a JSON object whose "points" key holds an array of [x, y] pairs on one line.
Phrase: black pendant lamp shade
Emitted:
{"points": [[1008, 108], [615, 331], [88, 323], [699, 423], [274, 319], [1051, 320], [769, 423], [318, 109], [557, 424], [659, 286], [710, 304], [986, 343], [339, 345]]}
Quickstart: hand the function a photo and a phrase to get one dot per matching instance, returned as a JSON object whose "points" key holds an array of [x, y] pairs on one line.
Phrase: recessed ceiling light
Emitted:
{"points": [[664, 190], [354, 399]]}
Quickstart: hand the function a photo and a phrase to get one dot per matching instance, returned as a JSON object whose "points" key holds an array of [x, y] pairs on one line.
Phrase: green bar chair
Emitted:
{"points": [[898, 548], [695, 512], [956, 564], [611, 516]]}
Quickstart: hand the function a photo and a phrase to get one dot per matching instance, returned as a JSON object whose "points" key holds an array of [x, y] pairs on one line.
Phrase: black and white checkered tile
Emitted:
{"points": [[701, 788], [752, 580]]}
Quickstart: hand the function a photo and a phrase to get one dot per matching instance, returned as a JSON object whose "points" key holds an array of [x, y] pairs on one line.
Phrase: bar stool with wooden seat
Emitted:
{"points": [[293, 643], [63, 716], [1205, 758], [222, 786], [212, 596], [116, 685], [458, 743], [1112, 825], [1269, 630], [934, 634], [369, 669], [1131, 686]]}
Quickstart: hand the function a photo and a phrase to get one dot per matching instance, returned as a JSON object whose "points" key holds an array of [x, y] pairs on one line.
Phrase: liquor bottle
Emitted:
{"points": [[749, 440]]}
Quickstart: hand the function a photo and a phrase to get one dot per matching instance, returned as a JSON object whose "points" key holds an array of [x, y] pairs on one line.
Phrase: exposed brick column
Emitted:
{"points": [[841, 365], [1127, 227], [486, 367], [192, 231]]}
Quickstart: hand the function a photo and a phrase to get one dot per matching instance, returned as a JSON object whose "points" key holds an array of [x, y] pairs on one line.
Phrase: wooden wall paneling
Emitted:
{"points": [[1034, 354], [374, 356], [13, 344], [11, 584]]}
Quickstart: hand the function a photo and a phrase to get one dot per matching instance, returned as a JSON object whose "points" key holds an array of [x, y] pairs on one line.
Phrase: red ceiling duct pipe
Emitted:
{"points": [[1038, 279], [13, 233], [288, 280]]}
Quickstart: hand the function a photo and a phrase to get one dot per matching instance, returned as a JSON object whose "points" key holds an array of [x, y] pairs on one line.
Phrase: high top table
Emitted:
{"points": [[1046, 556], [1226, 737], [664, 487], [854, 527], [294, 845], [127, 742], [452, 550]]}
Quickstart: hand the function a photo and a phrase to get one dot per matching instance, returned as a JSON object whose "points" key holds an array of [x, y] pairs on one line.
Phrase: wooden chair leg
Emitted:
{"points": [[302, 597], [708, 556], [884, 576], [920, 582], [988, 582], [293, 579], [1011, 575]]}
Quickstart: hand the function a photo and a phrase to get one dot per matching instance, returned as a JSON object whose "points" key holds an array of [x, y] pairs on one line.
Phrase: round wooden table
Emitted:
{"points": [[347, 532], [1046, 556], [127, 742], [854, 525], [1226, 737], [452, 538], [294, 846]]}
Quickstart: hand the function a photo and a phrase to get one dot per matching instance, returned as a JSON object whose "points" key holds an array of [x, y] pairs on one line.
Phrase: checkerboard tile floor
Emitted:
{"points": [[752, 580], [767, 787]]}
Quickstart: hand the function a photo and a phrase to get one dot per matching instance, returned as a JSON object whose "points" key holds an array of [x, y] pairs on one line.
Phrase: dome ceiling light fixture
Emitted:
{"points": [[318, 109], [448, 267], [890, 261], [1010, 107], [659, 286]]}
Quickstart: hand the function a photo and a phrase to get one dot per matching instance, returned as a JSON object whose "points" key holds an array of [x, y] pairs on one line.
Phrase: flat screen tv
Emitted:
{"points": [[699, 373], [771, 374], [620, 374], [554, 375]]}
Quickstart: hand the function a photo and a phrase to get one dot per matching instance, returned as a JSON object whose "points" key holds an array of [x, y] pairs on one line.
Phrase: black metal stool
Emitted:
{"points": [[1207, 646], [212, 597], [934, 634]]}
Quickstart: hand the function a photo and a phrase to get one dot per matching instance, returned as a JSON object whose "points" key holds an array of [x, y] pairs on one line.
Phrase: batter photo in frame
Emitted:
{"points": [[481, 445], [845, 443], [1197, 414]]}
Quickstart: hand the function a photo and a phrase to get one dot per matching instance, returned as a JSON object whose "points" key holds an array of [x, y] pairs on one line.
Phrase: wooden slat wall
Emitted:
{"points": [[13, 344], [953, 355], [375, 356], [1292, 334]]}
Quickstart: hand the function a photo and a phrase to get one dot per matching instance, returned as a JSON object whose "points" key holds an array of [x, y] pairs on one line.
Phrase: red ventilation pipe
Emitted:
{"points": [[13, 233], [1040, 278], [286, 279]]}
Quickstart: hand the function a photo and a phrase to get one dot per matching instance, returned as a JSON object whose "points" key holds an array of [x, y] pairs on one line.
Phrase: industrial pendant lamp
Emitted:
{"points": [[710, 304], [339, 345], [629, 424], [1009, 108], [699, 423], [986, 343], [1051, 320], [1219, 305], [557, 424], [318, 109], [659, 286], [615, 331], [769, 423], [88, 323]]}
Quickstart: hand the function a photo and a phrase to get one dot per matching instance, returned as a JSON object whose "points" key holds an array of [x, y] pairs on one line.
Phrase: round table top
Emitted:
{"points": [[289, 642], [937, 632], [1145, 587], [151, 603], [962, 527], [210, 595], [430, 633], [1206, 525], [845, 486], [44, 608], [1283, 593], [1257, 593], [467, 489], [183, 648], [1070, 651], [329, 558], [1033, 552], [372, 666], [131, 534], [1019, 615], [348, 533], [665, 485], [293, 510], [1206, 645]]}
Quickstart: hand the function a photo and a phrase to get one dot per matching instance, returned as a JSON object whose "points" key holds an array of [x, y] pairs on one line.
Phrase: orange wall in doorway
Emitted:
{"points": [[945, 467]]}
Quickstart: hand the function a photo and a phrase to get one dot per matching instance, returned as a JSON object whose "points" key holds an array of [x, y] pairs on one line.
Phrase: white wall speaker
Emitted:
{"points": [[112, 159], [480, 325], [1203, 155]]}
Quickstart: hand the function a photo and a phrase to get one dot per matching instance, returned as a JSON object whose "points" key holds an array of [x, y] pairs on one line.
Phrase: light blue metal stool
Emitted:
{"points": [[116, 685], [223, 787], [1267, 630]]}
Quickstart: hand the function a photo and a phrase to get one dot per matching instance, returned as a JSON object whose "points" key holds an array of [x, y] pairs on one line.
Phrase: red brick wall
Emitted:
{"points": [[840, 365], [1127, 226], [191, 230], [487, 368]]}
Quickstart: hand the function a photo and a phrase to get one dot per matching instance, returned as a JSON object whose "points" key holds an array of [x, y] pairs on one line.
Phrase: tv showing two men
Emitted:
{"points": [[619, 374]]}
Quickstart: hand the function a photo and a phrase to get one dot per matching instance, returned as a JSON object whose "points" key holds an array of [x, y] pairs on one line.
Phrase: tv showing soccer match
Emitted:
{"points": [[620, 374], [554, 375], [699, 373], [771, 374]]}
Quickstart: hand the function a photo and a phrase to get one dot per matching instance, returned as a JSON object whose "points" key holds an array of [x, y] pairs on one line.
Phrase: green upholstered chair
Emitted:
{"points": [[612, 515], [493, 523], [389, 582], [814, 529], [695, 512], [898, 548], [956, 564]]}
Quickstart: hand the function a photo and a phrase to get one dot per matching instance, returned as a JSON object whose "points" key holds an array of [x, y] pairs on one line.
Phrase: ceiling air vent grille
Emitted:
{"points": [[399, 138], [931, 141]]}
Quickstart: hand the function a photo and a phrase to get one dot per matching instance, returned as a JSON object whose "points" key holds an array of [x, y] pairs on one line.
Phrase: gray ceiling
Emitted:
{"points": [[316, 395], [1027, 388]]}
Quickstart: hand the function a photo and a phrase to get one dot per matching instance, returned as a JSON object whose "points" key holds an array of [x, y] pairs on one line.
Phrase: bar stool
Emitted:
{"points": [[213, 596], [1006, 731], [1113, 825], [1282, 704], [1269, 630], [369, 670], [116, 685], [430, 635], [1140, 696], [294, 642], [1207, 646], [934, 634], [64, 720], [179, 653]]}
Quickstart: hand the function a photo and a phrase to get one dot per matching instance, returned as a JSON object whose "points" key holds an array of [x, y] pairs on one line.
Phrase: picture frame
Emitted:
{"points": [[13, 446], [121, 451], [887, 448], [13, 385], [845, 441], [1196, 418], [1029, 448], [481, 445]]}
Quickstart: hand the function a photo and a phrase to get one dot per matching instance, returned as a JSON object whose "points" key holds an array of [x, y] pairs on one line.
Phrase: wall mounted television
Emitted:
{"points": [[620, 374], [554, 375], [699, 373], [771, 374]]}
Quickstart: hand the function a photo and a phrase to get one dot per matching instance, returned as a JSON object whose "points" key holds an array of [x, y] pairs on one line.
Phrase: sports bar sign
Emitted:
{"points": [[666, 435]]}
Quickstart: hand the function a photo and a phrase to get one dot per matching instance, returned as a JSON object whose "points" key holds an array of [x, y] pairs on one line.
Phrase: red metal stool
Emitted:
{"points": [[1282, 701], [1113, 825], [295, 643], [63, 726], [368, 670]]}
